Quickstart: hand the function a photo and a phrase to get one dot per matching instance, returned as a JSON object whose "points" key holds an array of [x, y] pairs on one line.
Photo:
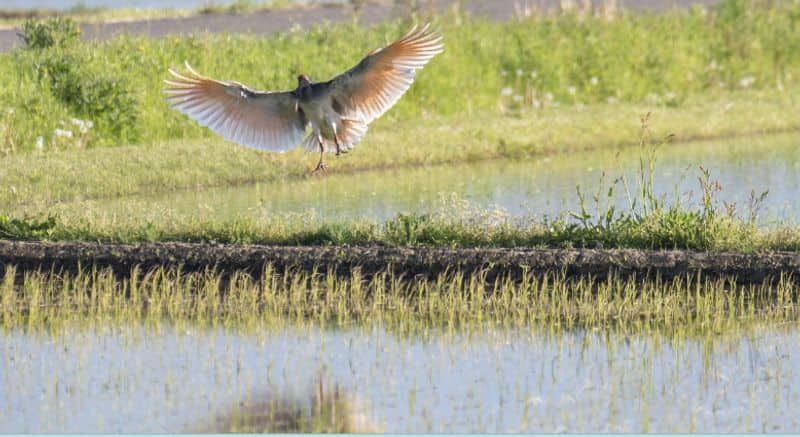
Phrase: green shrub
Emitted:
{"points": [[90, 94], [54, 32], [26, 228]]}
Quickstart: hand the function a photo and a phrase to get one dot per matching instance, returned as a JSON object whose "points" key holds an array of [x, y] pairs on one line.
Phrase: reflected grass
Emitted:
{"points": [[323, 410], [452, 300]]}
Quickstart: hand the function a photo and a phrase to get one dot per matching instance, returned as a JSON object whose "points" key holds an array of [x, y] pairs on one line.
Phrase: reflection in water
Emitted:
{"points": [[537, 187], [323, 410], [166, 378]]}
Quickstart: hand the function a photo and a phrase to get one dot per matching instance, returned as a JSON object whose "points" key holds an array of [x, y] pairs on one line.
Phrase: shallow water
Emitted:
{"points": [[537, 187], [167, 379]]}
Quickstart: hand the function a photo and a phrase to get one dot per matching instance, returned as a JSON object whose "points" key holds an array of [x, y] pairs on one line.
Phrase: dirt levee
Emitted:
{"points": [[409, 262]]}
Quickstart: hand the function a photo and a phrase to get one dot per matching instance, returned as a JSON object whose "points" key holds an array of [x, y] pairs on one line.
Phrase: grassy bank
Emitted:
{"points": [[449, 301], [662, 60], [702, 222], [671, 228], [43, 178]]}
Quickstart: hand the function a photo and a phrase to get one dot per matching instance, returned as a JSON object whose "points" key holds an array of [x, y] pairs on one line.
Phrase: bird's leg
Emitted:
{"points": [[338, 146], [321, 167]]}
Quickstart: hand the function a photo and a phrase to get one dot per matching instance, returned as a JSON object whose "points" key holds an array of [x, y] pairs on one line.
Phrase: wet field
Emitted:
{"points": [[527, 189], [167, 378]]}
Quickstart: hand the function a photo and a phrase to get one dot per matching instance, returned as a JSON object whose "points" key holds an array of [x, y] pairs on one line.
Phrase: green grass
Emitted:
{"points": [[41, 179], [703, 224], [661, 60], [671, 228], [688, 68], [450, 301]]}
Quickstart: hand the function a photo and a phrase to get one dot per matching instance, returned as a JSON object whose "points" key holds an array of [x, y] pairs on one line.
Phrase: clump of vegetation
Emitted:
{"points": [[93, 95], [527, 65], [64, 96], [53, 32], [26, 228]]}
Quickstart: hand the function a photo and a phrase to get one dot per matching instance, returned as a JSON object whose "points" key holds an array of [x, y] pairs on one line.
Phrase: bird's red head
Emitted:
{"points": [[303, 80]]}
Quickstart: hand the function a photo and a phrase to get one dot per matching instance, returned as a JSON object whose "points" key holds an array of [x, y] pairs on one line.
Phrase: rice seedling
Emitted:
{"points": [[451, 300]]}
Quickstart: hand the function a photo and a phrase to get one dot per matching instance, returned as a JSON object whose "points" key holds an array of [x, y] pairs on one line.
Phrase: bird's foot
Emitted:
{"points": [[320, 168]]}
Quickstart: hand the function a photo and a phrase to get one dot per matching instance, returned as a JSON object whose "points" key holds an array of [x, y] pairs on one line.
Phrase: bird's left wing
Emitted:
{"points": [[260, 120], [373, 86]]}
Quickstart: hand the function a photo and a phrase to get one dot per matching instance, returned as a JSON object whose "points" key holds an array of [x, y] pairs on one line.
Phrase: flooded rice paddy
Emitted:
{"points": [[166, 378], [532, 188], [157, 376]]}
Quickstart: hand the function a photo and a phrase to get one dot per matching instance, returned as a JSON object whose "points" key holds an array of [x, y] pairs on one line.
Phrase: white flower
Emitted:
{"points": [[39, 143], [670, 95], [519, 72], [572, 90], [548, 97], [594, 80], [747, 81], [9, 110], [507, 91], [63, 133], [534, 74], [83, 126], [517, 98]]}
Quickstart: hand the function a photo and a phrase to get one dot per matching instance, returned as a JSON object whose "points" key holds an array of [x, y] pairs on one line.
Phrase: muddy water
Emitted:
{"points": [[537, 187], [165, 378]]}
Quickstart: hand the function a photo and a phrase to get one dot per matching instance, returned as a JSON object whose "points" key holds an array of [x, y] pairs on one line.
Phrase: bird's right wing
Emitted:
{"points": [[260, 120]]}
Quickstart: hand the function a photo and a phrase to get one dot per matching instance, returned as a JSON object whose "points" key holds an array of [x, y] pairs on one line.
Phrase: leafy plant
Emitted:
{"points": [[27, 228], [53, 32]]}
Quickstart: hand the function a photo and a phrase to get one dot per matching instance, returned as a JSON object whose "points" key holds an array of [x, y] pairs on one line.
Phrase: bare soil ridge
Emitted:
{"points": [[280, 20], [416, 262]]}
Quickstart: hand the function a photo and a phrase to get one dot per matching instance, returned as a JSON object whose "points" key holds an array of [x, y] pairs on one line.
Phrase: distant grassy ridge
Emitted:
{"points": [[662, 60], [99, 14]]}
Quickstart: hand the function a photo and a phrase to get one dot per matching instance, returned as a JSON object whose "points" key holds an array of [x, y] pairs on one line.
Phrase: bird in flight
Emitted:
{"points": [[338, 111]]}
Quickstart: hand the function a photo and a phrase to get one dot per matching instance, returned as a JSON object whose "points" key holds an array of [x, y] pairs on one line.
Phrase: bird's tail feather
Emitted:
{"points": [[351, 134]]}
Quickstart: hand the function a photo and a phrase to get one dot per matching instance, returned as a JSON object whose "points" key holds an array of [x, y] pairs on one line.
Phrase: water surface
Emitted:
{"points": [[133, 379], [536, 187]]}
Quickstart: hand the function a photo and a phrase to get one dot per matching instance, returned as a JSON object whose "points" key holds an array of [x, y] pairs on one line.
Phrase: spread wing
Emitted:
{"points": [[256, 119], [373, 86]]}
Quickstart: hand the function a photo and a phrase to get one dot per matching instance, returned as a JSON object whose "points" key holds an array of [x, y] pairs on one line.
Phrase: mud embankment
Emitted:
{"points": [[410, 262]]}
